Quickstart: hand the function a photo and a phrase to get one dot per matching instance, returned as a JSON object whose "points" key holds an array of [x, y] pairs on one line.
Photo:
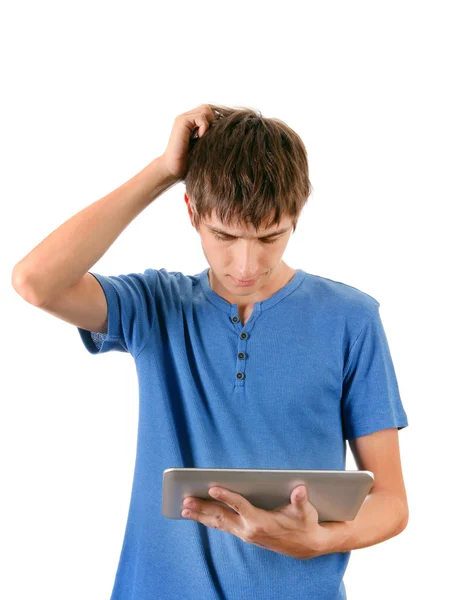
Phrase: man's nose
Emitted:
{"points": [[247, 260]]}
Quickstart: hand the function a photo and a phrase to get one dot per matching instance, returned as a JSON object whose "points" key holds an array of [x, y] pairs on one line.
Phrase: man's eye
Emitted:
{"points": [[225, 239]]}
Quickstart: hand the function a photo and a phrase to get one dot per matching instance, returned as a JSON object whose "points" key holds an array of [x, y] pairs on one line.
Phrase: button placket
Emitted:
{"points": [[241, 356], [243, 336]]}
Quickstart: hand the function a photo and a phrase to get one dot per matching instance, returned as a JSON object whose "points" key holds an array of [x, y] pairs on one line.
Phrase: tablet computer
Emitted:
{"points": [[336, 495]]}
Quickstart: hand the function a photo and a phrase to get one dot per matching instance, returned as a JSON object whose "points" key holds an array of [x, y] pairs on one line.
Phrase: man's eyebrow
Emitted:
{"points": [[220, 231]]}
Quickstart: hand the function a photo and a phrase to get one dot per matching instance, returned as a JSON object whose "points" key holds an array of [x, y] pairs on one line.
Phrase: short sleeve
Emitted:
{"points": [[132, 308], [370, 399]]}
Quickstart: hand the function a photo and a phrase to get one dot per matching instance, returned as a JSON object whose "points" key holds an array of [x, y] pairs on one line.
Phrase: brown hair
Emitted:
{"points": [[248, 168]]}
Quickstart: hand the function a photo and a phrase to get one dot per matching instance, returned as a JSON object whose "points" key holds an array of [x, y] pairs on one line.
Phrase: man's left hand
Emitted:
{"points": [[291, 529]]}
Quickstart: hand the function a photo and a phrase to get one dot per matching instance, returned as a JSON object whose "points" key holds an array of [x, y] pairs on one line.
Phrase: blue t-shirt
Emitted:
{"points": [[310, 369]]}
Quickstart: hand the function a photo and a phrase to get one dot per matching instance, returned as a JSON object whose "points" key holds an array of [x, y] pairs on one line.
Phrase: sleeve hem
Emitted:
{"points": [[360, 430], [113, 310], [111, 339]]}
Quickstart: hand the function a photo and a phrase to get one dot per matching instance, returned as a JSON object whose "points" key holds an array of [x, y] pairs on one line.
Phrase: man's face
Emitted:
{"points": [[239, 252]]}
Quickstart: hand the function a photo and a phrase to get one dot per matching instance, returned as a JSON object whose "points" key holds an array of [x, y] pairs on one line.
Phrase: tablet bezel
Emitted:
{"points": [[336, 494]]}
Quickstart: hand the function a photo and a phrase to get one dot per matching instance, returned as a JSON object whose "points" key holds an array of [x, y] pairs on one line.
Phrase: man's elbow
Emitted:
{"points": [[403, 519]]}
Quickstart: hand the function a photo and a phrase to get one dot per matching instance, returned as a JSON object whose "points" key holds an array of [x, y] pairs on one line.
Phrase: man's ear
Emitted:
{"points": [[187, 202], [189, 208]]}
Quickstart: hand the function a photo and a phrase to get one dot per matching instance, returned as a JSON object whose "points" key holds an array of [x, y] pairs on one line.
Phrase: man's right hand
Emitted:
{"points": [[174, 158]]}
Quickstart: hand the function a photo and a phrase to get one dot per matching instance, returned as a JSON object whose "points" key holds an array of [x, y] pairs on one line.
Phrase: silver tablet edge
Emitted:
{"points": [[370, 473]]}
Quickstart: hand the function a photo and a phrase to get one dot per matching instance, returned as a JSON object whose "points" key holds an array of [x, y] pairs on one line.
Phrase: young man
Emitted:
{"points": [[248, 364]]}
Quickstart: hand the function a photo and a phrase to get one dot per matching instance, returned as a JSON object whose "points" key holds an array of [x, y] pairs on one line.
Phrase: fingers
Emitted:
{"points": [[196, 122], [199, 118], [200, 121]]}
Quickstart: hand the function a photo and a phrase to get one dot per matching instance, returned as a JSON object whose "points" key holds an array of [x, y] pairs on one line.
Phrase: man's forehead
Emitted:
{"points": [[237, 228]]}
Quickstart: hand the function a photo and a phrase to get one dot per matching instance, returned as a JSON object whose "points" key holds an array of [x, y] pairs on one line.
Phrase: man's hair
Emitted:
{"points": [[249, 168]]}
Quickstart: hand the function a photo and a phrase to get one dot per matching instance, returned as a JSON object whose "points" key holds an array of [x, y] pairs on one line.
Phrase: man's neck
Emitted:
{"points": [[278, 280]]}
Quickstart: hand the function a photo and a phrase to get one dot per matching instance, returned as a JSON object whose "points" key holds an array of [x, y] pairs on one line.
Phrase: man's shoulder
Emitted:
{"points": [[167, 277], [338, 296]]}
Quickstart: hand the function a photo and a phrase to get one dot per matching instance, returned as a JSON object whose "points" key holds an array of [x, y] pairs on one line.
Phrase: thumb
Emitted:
{"points": [[299, 495]]}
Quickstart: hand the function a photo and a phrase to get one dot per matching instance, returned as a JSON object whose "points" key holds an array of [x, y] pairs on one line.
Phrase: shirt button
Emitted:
{"points": [[240, 375], [241, 355], [243, 335], [235, 319]]}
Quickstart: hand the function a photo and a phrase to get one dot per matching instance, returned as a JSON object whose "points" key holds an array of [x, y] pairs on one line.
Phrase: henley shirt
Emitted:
{"points": [[309, 370]]}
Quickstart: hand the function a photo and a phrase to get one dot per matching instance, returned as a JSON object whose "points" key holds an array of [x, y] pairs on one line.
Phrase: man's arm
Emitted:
{"points": [[52, 270], [384, 513], [59, 263]]}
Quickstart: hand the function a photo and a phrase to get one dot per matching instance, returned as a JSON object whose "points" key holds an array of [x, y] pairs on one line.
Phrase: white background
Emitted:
{"points": [[90, 93]]}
